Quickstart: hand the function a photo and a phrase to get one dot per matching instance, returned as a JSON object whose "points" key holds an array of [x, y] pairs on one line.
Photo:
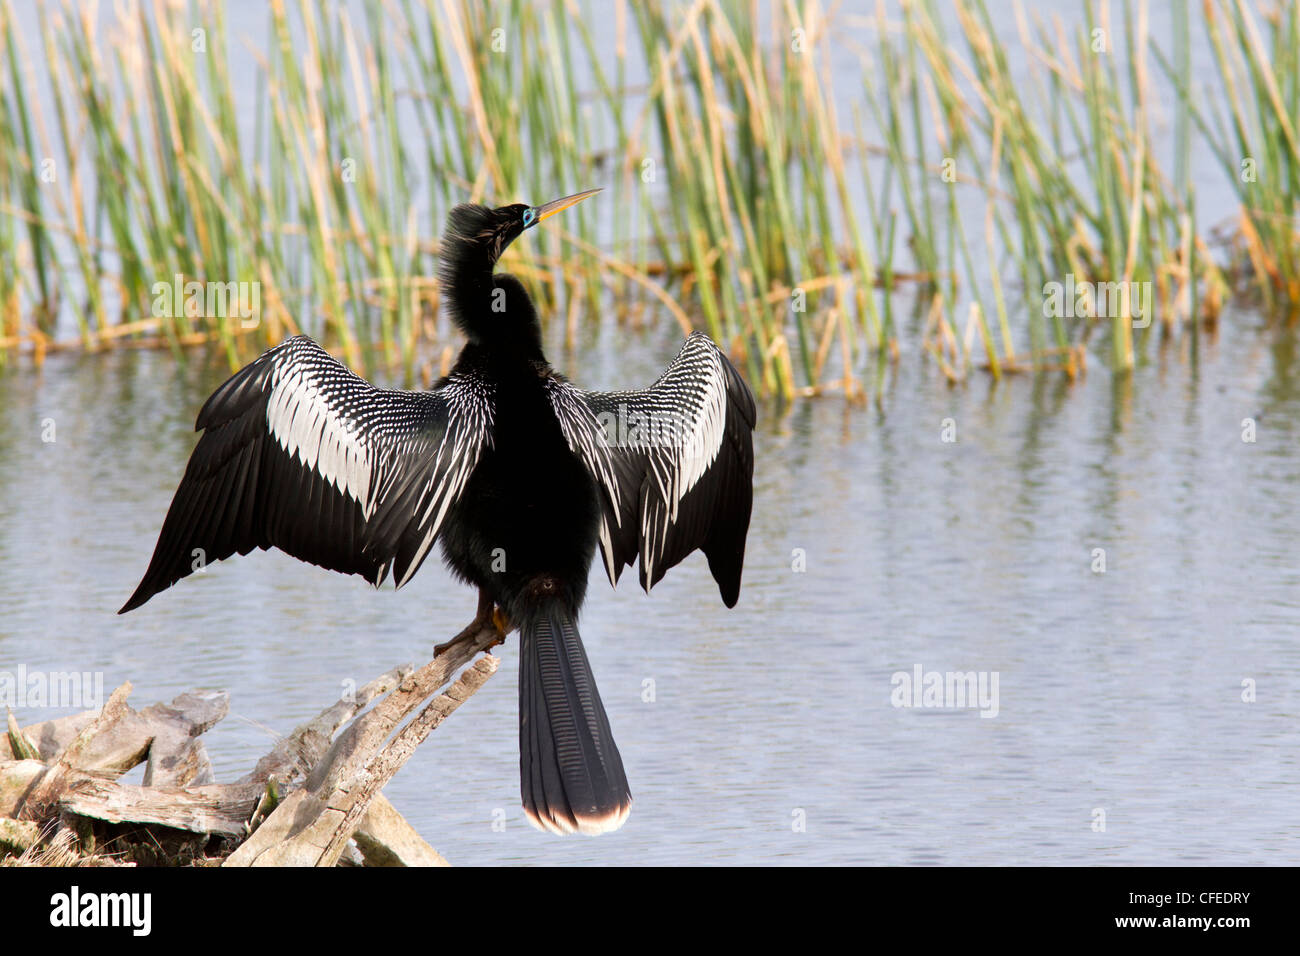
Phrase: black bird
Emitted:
{"points": [[521, 474]]}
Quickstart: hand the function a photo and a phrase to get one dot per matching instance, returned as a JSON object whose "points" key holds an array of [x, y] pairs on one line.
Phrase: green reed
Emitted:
{"points": [[818, 221]]}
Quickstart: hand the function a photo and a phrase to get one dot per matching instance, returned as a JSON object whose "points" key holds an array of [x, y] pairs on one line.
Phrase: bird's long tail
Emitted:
{"points": [[570, 771]]}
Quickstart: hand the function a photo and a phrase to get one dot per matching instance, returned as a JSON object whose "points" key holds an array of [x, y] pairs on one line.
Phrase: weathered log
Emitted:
{"points": [[197, 711], [177, 757], [51, 736], [177, 762], [76, 756], [161, 734], [16, 779], [386, 839], [113, 750], [283, 838], [352, 857], [381, 769], [117, 749], [220, 808], [354, 748], [312, 826], [297, 754]]}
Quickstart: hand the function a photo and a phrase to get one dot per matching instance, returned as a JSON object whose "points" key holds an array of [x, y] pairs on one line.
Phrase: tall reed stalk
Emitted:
{"points": [[776, 173]]}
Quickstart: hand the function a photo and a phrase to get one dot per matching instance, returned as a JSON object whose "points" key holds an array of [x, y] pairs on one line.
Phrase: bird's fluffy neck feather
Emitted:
{"points": [[492, 310]]}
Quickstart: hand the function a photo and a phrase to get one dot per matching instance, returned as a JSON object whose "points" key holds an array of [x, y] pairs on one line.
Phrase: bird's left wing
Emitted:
{"points": [[674, 464], [301, 454]]}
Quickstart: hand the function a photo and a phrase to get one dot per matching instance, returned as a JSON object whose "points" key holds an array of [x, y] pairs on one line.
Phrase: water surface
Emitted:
{"points": [[1119, 691]]}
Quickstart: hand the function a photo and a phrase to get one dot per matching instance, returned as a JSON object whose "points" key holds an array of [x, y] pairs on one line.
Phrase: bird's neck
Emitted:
{"points": [[498, 318], [468, 285]]}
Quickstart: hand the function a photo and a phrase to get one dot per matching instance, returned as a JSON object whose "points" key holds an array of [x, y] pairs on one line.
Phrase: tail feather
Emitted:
{"points": [[570, 771]]}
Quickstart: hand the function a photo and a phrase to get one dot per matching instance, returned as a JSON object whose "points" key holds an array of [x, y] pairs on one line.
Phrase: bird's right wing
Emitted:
{"points": [[301, 454], [674, 464]]}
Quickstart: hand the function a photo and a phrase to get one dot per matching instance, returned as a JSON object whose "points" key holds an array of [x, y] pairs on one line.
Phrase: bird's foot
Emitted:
{"points": [[502, 623], [488, 616], [464, 635]]}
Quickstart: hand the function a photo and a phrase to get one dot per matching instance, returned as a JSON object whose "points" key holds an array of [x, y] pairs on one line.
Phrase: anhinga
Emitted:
{"points": [[521, 474]]}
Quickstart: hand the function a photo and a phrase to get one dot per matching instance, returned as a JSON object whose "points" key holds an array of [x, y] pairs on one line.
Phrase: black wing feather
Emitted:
{"points": [[300, 454], [674, 462]]}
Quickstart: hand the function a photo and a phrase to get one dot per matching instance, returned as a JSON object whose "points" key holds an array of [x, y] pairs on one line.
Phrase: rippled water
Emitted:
{"points": [[1119, 691]]}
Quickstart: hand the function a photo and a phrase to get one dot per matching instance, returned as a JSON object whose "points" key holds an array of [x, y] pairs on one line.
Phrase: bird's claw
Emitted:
{"points": [[502, 623], [496, 619]]}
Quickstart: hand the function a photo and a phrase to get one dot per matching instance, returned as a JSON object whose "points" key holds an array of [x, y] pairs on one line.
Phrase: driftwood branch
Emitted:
{"points": [[117, 739], [386, 839], [354, 746], [386, 763], [222, 809], [80, 755], [16, 780], [305, 803], [177, 757], [314, 824], [297, 754], [50, 736]]}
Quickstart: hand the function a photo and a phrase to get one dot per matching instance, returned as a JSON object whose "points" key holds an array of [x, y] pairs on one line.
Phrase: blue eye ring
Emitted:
{"points": [[530, 215]]}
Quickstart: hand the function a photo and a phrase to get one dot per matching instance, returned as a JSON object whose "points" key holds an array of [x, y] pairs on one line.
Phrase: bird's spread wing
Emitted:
{"points": [[674, 464], [301, 454]]}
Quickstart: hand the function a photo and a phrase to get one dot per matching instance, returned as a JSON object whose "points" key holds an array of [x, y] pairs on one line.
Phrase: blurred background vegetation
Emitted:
{"points": [[774, 174]]}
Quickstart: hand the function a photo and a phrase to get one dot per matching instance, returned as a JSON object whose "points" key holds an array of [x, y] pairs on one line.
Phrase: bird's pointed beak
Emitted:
{"points": [[558, 205]]}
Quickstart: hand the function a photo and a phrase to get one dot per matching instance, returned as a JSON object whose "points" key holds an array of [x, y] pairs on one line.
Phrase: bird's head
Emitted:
{"points": [[473, 241], [481, 234]]}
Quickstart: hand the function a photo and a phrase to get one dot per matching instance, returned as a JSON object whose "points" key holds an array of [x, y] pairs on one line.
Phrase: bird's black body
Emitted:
{"points": [[524, 532], [527, 517], [514, 470], [525, 525]]}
